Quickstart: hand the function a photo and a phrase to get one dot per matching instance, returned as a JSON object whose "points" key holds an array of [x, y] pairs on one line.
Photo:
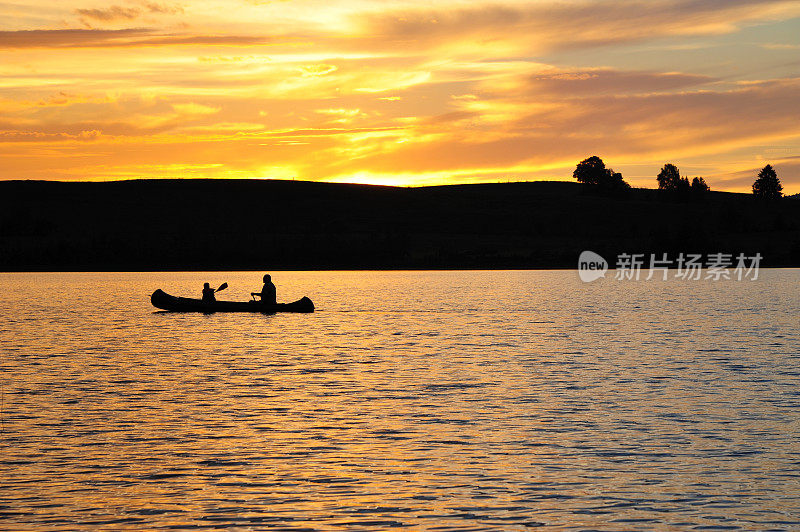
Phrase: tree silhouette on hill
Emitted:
{"points": [[672, 185], [593, 172], [767, 186], [669, 179], [699, 186]]}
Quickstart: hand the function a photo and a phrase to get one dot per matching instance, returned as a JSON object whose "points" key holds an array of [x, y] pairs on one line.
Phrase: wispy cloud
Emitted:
{"points": [[547, 26], [110, 13]]}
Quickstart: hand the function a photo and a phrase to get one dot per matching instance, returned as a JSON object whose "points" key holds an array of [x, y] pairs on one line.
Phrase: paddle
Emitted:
{"points": [[223, 286]]}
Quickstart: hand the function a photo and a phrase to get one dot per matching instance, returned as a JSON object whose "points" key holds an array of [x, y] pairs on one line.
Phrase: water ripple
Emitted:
{"points": [[417, 400]]}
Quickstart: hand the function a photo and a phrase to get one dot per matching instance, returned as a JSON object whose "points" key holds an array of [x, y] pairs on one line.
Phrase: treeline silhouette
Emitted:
{"points": [[593, 173], [269, 225]]}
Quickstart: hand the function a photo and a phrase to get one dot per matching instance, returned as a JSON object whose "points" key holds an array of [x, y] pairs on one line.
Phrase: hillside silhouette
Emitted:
{"points": [[270, 225]]}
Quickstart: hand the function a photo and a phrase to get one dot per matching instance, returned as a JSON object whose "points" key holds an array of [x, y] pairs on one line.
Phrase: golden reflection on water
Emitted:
{"points": [[448, 400]]}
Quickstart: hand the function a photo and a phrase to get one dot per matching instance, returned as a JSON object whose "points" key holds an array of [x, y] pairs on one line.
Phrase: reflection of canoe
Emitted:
{"points": [[165, 301]]}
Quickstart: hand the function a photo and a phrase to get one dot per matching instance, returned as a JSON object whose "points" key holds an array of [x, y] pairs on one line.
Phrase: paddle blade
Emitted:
{"points": [[223, 286]]}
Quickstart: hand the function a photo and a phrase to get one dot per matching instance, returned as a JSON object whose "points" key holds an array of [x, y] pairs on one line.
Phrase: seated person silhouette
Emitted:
{"points": [[208, 294], [268, 295]]}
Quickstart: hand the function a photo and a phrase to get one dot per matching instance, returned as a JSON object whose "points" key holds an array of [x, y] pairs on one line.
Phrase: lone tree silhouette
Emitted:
{"points": [[593, 171], [768, 186], [669, 178]]}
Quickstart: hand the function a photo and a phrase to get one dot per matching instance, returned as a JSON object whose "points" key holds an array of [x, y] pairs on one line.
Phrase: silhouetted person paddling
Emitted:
{"points": [[268, 294], [208, 294]]}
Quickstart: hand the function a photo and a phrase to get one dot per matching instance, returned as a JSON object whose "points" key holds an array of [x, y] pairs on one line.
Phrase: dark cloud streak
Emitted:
{"points": [[608, 81], [115, 12], [96, 38]]}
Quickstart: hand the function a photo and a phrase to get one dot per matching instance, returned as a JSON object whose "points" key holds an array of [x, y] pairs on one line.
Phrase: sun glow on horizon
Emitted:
{"points": [[402, 93]]}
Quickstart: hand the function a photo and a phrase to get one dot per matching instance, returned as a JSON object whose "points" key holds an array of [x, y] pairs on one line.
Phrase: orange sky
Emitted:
{"points": [[399, 92]]}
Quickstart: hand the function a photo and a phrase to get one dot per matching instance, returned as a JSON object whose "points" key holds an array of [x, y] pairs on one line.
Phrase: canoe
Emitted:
{"points": [[163, 300]]}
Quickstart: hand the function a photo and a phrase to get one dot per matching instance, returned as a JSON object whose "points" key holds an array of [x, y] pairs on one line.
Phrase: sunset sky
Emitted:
{"points": [[399, 92]]}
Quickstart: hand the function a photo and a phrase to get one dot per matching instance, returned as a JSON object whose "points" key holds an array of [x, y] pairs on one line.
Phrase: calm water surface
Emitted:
{"points": [[424, 400]]}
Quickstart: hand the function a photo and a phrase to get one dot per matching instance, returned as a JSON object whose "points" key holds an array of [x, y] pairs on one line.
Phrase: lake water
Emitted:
{"points": [[425, 400]]}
